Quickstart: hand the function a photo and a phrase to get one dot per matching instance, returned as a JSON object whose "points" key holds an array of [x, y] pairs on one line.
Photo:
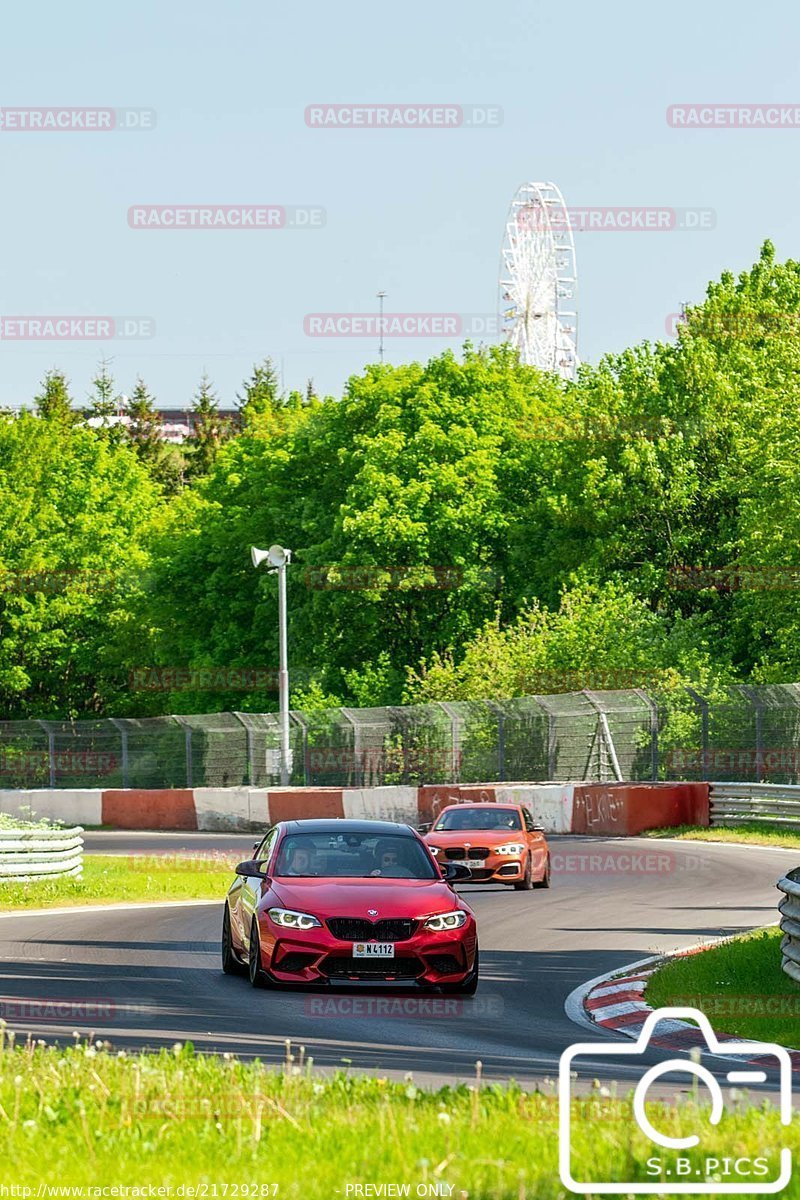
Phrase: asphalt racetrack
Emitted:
{"points": [[150, 975]]}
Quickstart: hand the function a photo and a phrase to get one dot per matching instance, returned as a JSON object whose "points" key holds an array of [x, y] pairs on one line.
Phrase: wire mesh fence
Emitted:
{"points": [[740, 733]]}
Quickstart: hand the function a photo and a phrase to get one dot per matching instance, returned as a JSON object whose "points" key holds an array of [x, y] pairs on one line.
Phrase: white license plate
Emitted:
{"points": [[468, 862], [373, 950]]}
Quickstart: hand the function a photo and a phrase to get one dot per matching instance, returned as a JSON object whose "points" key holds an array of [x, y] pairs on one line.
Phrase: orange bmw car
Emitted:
{"points": [[498, 842]]}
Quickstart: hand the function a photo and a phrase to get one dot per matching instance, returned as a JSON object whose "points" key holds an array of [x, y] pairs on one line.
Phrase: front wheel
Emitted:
{"points": [[469, 985], [258, 976], [230, 963], [526, 883], [544, 882]]}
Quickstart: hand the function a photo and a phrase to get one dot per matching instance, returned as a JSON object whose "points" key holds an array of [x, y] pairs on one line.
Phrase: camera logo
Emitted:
{"points": [[684, 1166]]}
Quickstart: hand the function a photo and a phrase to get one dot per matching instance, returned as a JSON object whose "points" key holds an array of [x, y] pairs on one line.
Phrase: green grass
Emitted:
{"points": [[86, 1116], [756, 834], [110, 878], [740, 987]]}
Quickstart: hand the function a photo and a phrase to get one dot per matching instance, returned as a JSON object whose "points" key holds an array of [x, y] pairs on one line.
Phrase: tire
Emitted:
{"points": [[468, 986], [526, 883], [256, 973], [231, 965], [544, 882]]}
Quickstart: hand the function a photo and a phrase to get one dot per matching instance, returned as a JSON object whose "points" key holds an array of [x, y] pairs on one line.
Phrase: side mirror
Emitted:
{"points": [[425, 827], [251, 868], [455, 872]]}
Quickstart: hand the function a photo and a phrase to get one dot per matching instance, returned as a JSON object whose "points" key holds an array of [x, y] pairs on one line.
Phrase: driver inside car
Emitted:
{"points": [[300, 862], [388, 862]]}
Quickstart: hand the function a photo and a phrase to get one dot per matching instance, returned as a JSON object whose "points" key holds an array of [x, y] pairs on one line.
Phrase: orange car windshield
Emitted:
{"points": [[478, 818]]}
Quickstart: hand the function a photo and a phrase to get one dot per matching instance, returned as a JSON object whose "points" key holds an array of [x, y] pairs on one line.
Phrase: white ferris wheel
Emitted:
{"points": [[539, 280]]}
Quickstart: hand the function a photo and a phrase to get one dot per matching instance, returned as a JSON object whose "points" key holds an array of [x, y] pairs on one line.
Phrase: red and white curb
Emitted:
{"points": [[615, 1003]]}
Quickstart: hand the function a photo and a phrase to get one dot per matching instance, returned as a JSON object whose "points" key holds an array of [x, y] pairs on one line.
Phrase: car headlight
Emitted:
{"points": [[448, 920], [293, 920], [511, 848], [435, 850]]}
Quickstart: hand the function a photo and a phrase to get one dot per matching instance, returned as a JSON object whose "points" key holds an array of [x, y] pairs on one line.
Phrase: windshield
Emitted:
{"points": [[353, 856], [479, 818]]}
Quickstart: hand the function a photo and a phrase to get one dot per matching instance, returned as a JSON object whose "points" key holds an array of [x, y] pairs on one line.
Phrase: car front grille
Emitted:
{"points": [[461, 852], [357, 929], [479, 873], [371, 968]]}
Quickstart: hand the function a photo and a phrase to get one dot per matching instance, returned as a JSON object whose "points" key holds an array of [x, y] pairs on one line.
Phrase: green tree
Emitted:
{"points": [[73, 510], [166, 463], [261, 393], [54, 403], [395, 502], [144, 424], [104, 406], [209, 429]]}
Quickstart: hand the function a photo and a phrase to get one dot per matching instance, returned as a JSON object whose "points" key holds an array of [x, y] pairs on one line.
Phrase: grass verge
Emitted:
{"points": [[112, 878], [740, 987], [84, 1116], [756, 834]]}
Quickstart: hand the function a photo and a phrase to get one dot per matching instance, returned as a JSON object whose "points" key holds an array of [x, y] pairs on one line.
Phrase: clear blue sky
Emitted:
{"points": [[584, 89]]}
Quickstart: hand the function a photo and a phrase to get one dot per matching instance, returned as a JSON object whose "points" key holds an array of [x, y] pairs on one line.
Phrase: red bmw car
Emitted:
{"points": [[341, 901]]}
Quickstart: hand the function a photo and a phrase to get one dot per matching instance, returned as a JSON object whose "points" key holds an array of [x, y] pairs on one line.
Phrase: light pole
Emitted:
{"points": [[381, 297], [278, 559]]}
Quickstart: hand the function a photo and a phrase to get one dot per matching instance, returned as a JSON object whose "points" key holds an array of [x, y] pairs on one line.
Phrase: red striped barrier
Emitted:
{"points": [[620, 809]]}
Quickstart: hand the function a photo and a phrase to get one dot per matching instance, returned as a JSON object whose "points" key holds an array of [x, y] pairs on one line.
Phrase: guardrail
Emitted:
{"points": [[790, 923], [745, 803], [39, 853]]}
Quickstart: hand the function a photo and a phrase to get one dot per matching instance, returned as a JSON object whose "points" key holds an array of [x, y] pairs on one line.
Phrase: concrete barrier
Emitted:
{"points": [[550, 803], [146, 808], [74, 806], [382, 803], [626, 809], [617, 809]]}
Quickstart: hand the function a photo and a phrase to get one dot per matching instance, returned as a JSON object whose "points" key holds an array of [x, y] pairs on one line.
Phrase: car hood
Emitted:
{"points": [[410, 898], [474, 837]]}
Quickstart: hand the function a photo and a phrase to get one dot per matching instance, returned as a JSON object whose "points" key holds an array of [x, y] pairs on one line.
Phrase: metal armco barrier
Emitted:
{"points": [[31, 853], [745, 803], [790, 923]]}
